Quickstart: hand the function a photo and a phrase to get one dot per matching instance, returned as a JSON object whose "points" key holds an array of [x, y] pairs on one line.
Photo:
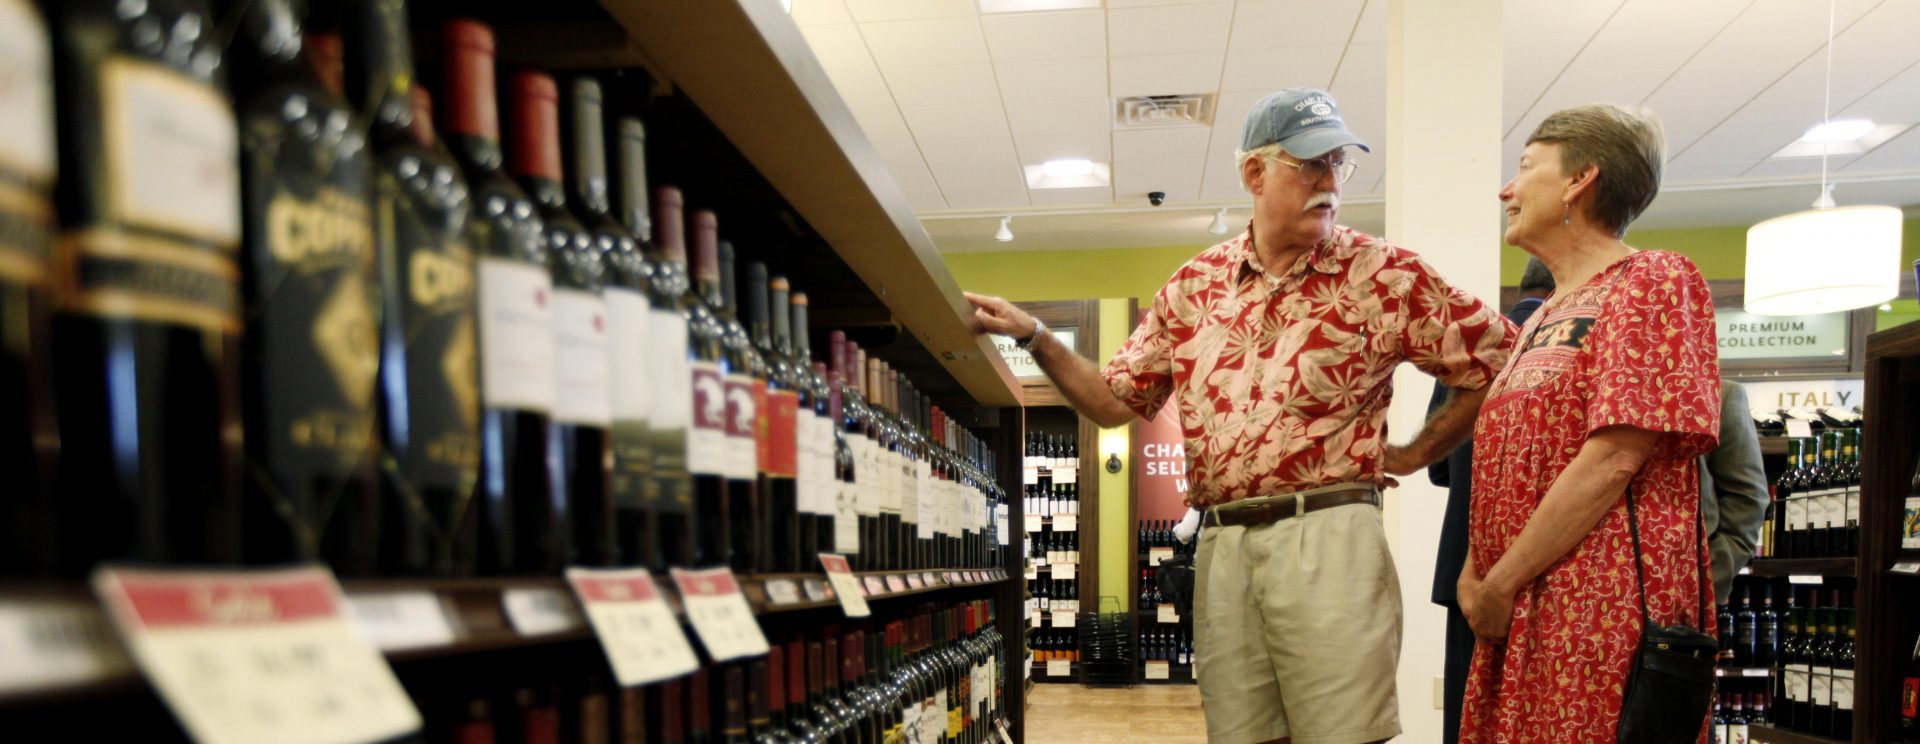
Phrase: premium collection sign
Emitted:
{"points": [[1021, 362], [1744, 335]]}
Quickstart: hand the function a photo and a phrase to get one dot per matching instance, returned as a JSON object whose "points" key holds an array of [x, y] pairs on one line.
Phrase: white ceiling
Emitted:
{"points": [[957, 102]]}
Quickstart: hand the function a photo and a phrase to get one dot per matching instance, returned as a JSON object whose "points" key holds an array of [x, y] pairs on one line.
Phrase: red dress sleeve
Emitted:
{"points": [[1654, 361]]}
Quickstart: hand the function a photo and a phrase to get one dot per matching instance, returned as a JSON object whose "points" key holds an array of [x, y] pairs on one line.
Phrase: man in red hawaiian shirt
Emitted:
{"points": [[1278, 347]]}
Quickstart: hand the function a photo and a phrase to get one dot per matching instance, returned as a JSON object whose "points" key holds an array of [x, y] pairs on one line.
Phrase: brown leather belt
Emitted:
{"points": [[1285, 508]]}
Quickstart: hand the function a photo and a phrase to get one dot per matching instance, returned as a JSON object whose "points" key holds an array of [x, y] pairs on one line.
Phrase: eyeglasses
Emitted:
{"points": [[1311, 171]]}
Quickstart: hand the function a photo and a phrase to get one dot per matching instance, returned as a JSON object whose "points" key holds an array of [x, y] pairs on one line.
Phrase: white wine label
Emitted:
{"points": [[1157, 670], [252, 656], [540, 610], [516, 335], [1066, 523], [719, 614], [867, 477], [172, 151], [743, 453], [52, 643], [1059, 668], [1798, 682], [26, 93], [627, 348], [396, 621], [1843, 689], [1156, 555], [583, 393], [707, 448], [637, 630], [1822, 686], [1796, 514], [846, 518], [1005, 523], [671, 405], [1168, 614], [806, 435], [1836, 507], [1065, 571], [853, 601], [1067, 473]]}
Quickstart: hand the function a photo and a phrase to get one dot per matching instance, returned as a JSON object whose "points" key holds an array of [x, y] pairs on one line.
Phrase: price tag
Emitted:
{"points": [[1036, 523], [852, 602], [1156, 555], [1063, 618], [1064, 571], [1039, 620], [637, 630], [1066, 523], [896, 583], [874, 585], [1168, 614], [953, 577], [1070, 474], [1029, 476], [1804, 579], [916, 581], [1756, 672], [1158, 670], [1059, 668], [1907, 567], [1799, 429], [542, 610], [396, 621], [253, 656], [816, 590], [929, 578], [51, 643], [719, 613], [782, 591]]}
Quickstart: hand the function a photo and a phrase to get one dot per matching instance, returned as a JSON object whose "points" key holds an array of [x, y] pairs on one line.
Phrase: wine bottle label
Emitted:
{"points": [[1835, 503], [429, 314], [910, 723], [1843, 689], [631, 391], [670, 410], [1853, 505], [1796, 514], [910, 501], [26, 100], [867, 477], [897, 466], [846, 522], [762, 427], [805, 434], [743, 421], [1822, 683], [516, 335], [707, 447], [783, 432], [583, 395], [170, 146]]}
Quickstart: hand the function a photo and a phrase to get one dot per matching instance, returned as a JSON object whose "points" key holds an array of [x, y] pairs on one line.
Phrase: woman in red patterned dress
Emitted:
{"points": [[1614, 385]]}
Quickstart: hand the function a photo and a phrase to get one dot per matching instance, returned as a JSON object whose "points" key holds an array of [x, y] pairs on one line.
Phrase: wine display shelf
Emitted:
{"points": [[1823, 567], [1761, 733]]}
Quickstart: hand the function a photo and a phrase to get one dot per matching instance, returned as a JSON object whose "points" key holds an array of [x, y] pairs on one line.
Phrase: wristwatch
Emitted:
{"points": [[1038, 328]]}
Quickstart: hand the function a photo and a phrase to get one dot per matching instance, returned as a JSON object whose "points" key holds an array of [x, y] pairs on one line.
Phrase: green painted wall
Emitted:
{"points": [[1720, 252], [1116, 562], [1026, 276]]}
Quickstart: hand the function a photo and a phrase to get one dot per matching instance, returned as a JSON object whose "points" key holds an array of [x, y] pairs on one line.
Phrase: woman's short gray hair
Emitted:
{"points": [[1628, 145]]}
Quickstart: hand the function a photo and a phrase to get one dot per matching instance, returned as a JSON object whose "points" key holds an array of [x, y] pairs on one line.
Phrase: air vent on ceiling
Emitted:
{"points": [[1156, 112]]}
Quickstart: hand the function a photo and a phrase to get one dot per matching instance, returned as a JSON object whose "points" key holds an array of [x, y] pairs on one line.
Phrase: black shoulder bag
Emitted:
{"points": [[1670, 685]]}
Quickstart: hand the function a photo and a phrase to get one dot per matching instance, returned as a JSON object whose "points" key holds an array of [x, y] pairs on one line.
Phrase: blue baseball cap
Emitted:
{"points": [[1305, 121]]}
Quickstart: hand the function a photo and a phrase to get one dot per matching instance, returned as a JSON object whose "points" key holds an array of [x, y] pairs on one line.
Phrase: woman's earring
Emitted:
{"points": [[1568, 219]]}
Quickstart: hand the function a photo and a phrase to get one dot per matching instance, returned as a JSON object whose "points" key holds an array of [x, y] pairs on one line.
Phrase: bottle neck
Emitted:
{"points": [[381, 69], [802, 346], [472, 123], [267, 46], [756, 301], [633, 178], [535, 155], [587, 145], [780, 302]]}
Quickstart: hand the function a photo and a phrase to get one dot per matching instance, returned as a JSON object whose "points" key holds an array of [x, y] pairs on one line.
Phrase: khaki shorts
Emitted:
{"points": [[1297, 629]]}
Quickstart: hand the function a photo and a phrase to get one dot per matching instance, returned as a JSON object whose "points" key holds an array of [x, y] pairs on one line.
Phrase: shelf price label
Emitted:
{"points": [[540, 610], [720, 614], [1063, 618], [1804, 579], [50, 643], [1156, 555], [1059, 668], [1158, 670], [637, 630], [1035, 522], [874, 585], [397, 621], [917, 581], [1065, 571], [252, 656], [840, 575], [782, 591], [896, 583], [1066, 523], [1168, 614]]}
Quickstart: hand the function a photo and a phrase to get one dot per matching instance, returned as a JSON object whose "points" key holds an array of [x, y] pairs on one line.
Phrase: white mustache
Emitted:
{"points": [[1323, 197]]}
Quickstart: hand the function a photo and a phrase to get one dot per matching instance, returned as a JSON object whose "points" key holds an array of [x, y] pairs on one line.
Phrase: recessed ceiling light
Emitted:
{"points": [[1067, 168], [1838, 130], [1029, 6]]}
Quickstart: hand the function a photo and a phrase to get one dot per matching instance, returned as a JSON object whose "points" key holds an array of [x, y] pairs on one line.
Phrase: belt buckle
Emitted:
{"points": [[1299, 504]]}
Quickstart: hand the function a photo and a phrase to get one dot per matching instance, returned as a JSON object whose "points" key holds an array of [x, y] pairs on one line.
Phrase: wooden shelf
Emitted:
{"points": [[1826, 567], [1770, 735], [1773, 446]]}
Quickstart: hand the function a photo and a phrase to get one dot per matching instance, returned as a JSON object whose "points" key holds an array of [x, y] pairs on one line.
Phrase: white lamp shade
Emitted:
{"points": [[1823, 261]]}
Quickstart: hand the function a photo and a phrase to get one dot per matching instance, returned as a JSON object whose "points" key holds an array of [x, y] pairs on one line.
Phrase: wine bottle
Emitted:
{"points": [[1843, 678], [700, 707], [801, 723], [1745, 631], [846, 535], [627, 273], [428, 405], [1848, 541], [853, 519], [787, 378], [744, 373], [817, 437], [773, 436], [582, 405], [1820, 657], [672, 325], [733, 727], [1910, 698], [767, 698], [29, 160], [1766, 647], [146, 339], [520, 529], [825, 719], [307, 356], [709, 455]]}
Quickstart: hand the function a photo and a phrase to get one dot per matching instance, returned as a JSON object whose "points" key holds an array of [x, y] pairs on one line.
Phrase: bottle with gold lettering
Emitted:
{"points": [[429, 394], [28, 161], [309, 354]]}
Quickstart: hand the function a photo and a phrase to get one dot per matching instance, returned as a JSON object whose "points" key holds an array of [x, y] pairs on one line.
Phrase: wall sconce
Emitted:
{"points": [[1113, 442], [1113, 463]]}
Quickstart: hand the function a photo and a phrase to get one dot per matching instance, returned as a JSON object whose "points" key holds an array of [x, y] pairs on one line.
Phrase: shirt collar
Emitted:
{"points": [[1324, 257]]}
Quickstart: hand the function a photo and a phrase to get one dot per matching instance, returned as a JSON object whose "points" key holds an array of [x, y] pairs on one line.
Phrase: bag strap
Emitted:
{"points": [[1699, 531]]}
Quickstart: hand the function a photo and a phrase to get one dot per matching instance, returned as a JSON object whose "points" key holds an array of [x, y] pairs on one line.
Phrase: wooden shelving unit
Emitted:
{"points": [[1824, 567], [1889, 612], [1771, 735]]}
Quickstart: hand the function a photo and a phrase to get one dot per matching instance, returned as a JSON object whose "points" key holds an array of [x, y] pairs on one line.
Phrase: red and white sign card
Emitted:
{"points": [[720, 614], [840, 575], [636, 628]]}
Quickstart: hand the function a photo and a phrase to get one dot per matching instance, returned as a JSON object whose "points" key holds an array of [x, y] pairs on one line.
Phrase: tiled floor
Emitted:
{"points": [[1159, 714]]}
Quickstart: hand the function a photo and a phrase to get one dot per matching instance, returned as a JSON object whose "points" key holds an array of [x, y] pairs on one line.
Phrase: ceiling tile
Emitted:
{"points": [[1151, 3], [838, 47], [1531, 63], [955, 122], [1035, 149], [1654, 14], [1549, 16], [1854, 75], [1685, 124], [943, 85], [910, 172], [1886, 106], [1159, 144], [862, 87], [1683, 169], [883, 124], [1793, 167], [1279, 24], [1702, 84], [1168, 30], [1664, 47], [1017, 37], [977, 173], [1752, 133], [942, 41], [1166, 74], [1372, 26], [820, 12], [1061, 116], [1273, 69], [1101, 196], [1053, 79], [1363, 67], [1901, 155], [867, 11], [1178, 177]]}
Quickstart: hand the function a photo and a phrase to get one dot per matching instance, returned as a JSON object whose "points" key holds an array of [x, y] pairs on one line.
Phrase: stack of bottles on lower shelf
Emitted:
{"points": [[1786, 659], [354, 322], [1166, 637]]}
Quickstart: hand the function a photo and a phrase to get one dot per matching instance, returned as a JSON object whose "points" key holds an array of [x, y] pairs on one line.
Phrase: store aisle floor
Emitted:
{"points": [[1159, 714]]}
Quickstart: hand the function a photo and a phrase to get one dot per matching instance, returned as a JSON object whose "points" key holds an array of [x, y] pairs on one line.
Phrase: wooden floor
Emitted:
{"points": [[1071, 714]]}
